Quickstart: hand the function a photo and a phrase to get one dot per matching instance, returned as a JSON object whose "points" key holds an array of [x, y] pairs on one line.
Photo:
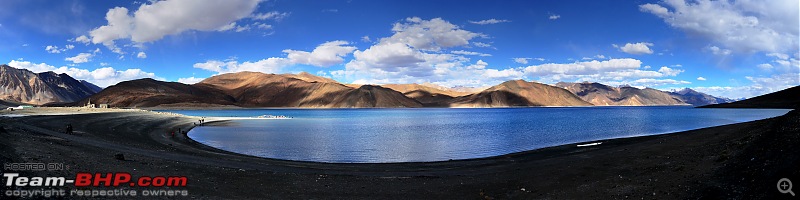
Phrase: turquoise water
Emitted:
{"points": [[436, 134]]}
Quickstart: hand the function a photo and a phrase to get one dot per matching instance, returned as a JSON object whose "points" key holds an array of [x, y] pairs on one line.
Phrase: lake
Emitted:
{"points": [[438, 134]]}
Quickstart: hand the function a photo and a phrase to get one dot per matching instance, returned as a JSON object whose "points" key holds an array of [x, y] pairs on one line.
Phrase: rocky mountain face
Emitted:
{"points": [[519, 93], [251, 89], [787, 98], [698, 98], [23, 86], [603, 95], [429, 95]]}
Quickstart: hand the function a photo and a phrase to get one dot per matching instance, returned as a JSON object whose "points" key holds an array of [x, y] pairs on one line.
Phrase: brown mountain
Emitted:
{"points": [[150, 93], [428, 94], [603, 95], [787, 98], [21, 85], [519, 93], [698, 98], [250, 89]]}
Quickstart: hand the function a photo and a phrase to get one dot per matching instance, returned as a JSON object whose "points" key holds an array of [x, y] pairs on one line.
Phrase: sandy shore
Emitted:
{"points": [[741, 161]]}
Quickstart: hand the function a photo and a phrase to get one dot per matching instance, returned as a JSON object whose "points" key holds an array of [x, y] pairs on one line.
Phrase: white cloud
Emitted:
{"points": [[636, 48], [52, 49], [584, 68], [659, 82], [153, 21], [625, 71], [758, 86], [521, 60], [489, 21], [56, 49], [431, 35], [102, 77], [481, 44], [190, 80], [719, 51], [554, 17], [365, 39], [82, 39], [669, 71], [470, 53], [141, 55], [741, 26], [325, 55], [80, 58], [765, 66], [269, 65], [274, 15], [701, 78]]}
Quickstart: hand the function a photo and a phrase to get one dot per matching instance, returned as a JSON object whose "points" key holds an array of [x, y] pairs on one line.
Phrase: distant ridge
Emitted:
{"points": [[604, 95]]}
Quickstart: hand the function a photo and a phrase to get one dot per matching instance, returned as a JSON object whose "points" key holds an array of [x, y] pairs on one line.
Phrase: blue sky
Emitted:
{"points": [[734, 49]]}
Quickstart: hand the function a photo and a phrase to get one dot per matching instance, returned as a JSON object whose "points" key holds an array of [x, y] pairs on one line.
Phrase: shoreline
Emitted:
{"points": [[148, 150]]}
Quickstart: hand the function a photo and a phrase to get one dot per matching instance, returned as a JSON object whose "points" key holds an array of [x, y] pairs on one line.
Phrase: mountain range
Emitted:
{"points": [[254, 89], [21, 86]]}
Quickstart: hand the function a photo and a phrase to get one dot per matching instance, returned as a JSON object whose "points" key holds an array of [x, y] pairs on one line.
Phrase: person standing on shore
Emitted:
{"points": [[68, 131]]}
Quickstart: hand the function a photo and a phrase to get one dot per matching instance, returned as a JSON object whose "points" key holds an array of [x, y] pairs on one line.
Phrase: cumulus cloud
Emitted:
{"points": [[741, 25], [431, 35], [554, 17], [56, 49], [325, 55], [80, 58], [102, 77], [141, 55], [719, 51], [151, 22], [636, 48], [489, 21], [52, 49], [701, 78], [669, 71], [521, 60], [82, 39]]}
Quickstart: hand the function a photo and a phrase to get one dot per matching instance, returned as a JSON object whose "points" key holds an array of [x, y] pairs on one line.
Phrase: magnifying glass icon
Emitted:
{"points": [[785, 186]]}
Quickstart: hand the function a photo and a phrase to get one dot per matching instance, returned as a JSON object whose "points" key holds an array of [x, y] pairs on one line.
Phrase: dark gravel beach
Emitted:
{"points": [[738, 161]]}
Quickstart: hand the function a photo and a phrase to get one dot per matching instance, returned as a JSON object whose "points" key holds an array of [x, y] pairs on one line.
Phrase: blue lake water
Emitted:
{"points": [[437, 134]]}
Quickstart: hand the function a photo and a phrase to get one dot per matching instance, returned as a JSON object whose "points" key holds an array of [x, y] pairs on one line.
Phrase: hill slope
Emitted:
{"points": [[519, 93], [250, 89]]}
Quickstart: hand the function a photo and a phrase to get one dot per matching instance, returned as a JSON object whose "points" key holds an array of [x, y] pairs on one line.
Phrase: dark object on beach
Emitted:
{"points": [[119, 156], [69, 129]]}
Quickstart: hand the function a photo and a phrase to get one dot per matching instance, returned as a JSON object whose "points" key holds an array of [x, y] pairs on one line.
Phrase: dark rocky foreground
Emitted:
{"points": [[738, 161]]}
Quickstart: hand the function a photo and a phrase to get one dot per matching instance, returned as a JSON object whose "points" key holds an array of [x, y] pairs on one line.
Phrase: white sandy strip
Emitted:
{"points": [[590, 144], [211, 119]]}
